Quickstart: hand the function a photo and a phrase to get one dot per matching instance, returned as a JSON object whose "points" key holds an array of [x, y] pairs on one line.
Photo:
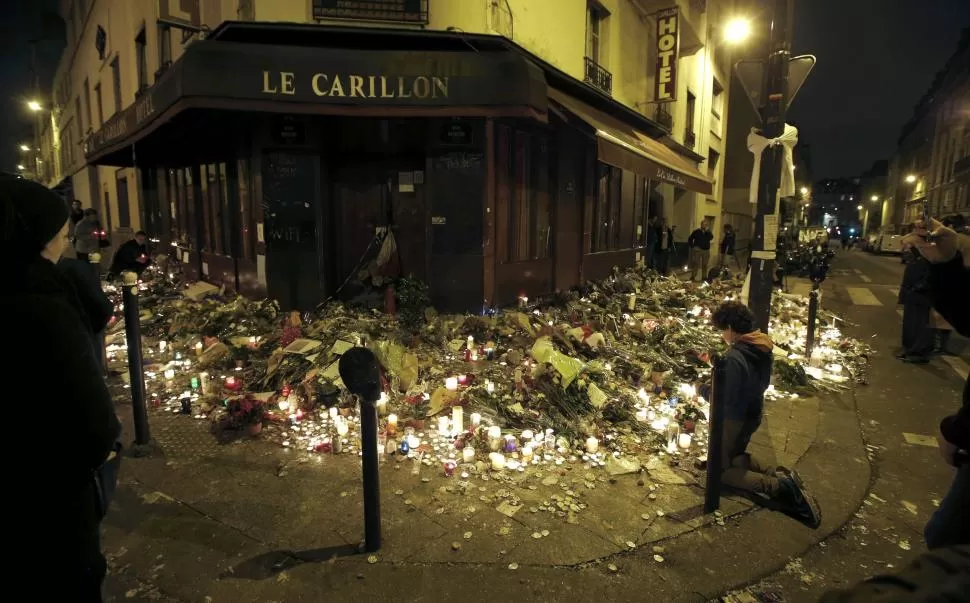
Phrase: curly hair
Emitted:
{"points": [[735, 316]]}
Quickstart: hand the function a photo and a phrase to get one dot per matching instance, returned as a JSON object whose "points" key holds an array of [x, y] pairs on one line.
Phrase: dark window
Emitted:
{"points": [[595, 25], [606, 211], [216, 215], [141, 60], [124, 207], [80, 117], [690, 138], [87, 104], [717, 101], [247, 232], [164, 46], [116, 83], [100, 42], [522, 181], [713, 157], [100, 106]]}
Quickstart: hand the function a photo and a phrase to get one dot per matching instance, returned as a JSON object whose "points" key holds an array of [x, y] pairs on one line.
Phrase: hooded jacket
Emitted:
{"points": [[747, 373]]}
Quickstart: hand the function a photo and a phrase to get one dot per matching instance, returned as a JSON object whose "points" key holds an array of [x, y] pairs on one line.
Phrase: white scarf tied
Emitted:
{"points": [[757, 144]]}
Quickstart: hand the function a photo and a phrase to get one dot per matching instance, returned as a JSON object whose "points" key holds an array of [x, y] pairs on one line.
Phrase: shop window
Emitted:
{"points": [[522, 181], [141, 61], [606, 210], [216, 215], [247, 228]]}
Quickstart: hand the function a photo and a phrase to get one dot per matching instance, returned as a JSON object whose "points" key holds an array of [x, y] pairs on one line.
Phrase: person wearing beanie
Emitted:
{"points": [[86, 239], [70, 429]]}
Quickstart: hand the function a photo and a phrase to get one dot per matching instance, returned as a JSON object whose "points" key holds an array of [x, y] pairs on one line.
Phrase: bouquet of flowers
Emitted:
{"points": [[246, 410]]}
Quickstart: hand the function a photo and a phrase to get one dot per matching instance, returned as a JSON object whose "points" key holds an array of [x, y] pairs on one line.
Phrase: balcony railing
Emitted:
{"points": [[961, 166], [395, 11], [690, 139], [663, 116], [599, 77]]}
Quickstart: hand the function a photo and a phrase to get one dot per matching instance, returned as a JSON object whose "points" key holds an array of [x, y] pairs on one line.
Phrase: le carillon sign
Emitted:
{"points": [[231, 75]]}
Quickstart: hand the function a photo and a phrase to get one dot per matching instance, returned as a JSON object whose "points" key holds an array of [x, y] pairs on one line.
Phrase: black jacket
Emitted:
{"points": [[657, 233], [126, 257], [700, 239], [747, 373], [51, 364], [950, 291], [97, 308], [727, 243], [915, 288]]}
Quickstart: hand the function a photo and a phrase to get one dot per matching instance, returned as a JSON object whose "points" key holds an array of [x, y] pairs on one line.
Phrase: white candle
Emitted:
{"points": [[471, 342], [451, 383], [474, 356], [642, 415], [527, 453], [198, 349], [284, 403], [495, 438], [490, 387], [527, 436], [392, 422], [162, 345], [468, 454], [476, 419], [498, 460], [342, 428], [169, 374], [252, 340], [443, 425], [684, 441], [333, 412], [457, 419], [592, 444]]}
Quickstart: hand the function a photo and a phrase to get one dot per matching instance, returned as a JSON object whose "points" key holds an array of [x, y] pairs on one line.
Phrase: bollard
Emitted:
{"points": [[129, 295], [712, 491], [361, 374], [812, 318]]}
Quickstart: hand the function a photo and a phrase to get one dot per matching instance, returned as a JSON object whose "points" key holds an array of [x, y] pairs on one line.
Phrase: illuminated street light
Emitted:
{"points": [[911, 178], [21, 167], [859, 207], [24, 148], [804, 190], [874, 198], [34, 106], [737, 30]]}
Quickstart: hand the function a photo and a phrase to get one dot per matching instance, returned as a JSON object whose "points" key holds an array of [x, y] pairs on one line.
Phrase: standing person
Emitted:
{"points": [[699, 243], [87, 238], [747, 372], [918, 338], [727, 244], [52, 344], [98, 310], [949, 256], [664, 243], [77, 213]]}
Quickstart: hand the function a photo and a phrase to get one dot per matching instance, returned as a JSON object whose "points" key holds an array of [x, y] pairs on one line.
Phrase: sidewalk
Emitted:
{"points": [[249, 521]]}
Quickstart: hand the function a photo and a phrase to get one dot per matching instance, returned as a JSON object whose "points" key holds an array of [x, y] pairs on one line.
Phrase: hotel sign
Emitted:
{"points": [[668, 49]]}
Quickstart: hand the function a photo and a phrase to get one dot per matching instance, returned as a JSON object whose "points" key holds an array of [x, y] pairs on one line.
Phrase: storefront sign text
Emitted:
{"points": [[286, 83], [668, 48], [671, 176]]}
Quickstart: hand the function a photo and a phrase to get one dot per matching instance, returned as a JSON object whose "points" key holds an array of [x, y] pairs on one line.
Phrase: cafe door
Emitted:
{"points": [[292, 223]]}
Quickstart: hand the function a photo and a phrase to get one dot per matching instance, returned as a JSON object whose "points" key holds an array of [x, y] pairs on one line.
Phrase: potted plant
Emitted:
{"points": [[247, 412]]}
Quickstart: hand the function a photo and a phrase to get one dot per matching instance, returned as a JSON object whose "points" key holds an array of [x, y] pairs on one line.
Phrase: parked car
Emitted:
{"points": [[889, 243]]}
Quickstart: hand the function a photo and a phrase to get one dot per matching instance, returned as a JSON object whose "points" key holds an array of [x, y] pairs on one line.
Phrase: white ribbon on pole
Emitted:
{"points": [[757, 144]]}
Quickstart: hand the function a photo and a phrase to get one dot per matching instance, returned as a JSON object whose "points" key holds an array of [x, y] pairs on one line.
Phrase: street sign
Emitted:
{"points": [[751, 75]]}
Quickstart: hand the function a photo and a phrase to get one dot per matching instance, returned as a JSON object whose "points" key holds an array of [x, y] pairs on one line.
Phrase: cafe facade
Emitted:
{"points": [[272, 158]]}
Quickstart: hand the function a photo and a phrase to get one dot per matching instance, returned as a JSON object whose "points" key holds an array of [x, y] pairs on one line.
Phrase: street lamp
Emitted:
{"points": [[911, 178], [804, 190], [874, 198], [859, 207], [21, 167], [34, 106], [737, 30], [24, 148]]}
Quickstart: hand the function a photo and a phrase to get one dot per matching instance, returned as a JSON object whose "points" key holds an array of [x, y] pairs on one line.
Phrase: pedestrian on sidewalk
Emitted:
{"points": [[949, 256], [747, 373], [699, 243], [664, 244], [918, 338], [52, 481], [727, 244], [87, 235]]}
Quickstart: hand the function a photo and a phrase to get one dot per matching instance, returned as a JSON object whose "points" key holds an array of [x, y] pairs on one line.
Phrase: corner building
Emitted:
{"points": [[513, 147]]}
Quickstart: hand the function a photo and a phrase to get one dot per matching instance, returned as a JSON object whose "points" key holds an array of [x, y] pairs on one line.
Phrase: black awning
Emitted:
{"points": [[299, 79]]}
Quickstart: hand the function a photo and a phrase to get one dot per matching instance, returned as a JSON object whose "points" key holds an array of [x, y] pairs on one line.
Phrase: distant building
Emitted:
{"points": [[834, 203]]}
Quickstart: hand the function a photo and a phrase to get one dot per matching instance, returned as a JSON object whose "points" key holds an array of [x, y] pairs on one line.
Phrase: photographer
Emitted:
{"points": [[949, 288]]}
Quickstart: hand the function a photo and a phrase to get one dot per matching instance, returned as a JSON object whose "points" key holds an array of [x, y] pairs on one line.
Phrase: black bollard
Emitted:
{"points": [[812, 318], [715, 439], [129, 295], [361, 374]]}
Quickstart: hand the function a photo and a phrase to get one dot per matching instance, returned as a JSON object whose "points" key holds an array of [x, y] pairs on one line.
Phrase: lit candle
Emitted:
{"points": [[527, 436], [494, 438], [284, 403], [162, 345], [468, 454], [498, 460], [523, 301], [206, 382], [198, 348], [451, 383], [490, 387], [443, 425], [342, 427], [511, 445], [642, 415], [169, 374], [449, 467], [381, 405], [413, 441], [233, 383], [471, 342], [473, 356], [457, 419], [476, 419], [463, 379], [527, 453], [684, 441], [333, 413], [592, 444], [391, 424], [252, 341]]}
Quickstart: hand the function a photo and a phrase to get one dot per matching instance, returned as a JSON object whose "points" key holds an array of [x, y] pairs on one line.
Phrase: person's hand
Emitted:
{"points": [[937, 243], [947, 450]]}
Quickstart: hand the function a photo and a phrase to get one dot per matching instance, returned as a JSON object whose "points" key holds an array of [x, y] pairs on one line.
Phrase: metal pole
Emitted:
{"points": [[775, 95], [372, 478], [812, 317], [135, 364], [715, 439]]}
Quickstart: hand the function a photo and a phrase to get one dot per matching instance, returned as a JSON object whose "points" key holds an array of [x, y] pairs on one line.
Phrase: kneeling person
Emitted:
{"points": [[131, 256]]}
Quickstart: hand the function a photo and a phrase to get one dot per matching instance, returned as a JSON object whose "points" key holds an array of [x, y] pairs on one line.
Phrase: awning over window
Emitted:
{"points": [[624, 147]]}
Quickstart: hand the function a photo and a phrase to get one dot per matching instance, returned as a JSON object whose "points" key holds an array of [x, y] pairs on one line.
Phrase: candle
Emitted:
{"points": [[550, 439], [490, 350], [449, 467], [162, 345], [342, 427], [476, 419], [523, 301], [457, 419], [527, 453], [405, 447], [527, 436], [642, 415], [333, 413], [631, 301], [468, 454], [443, 425], [473, 356], [169, 374], [413, 441], [498, 460], [336, 446], [490, 387], [381, 405], [511, 445], [494, 438], [299, 415], [684, 441], [592, 444], [471, 342], [391, 423], [205, 382], [451, 383], [252, 341], [233, 384], [198, 348], [284, 403]]}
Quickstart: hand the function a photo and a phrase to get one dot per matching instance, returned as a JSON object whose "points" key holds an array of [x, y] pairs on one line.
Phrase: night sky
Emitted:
{"points": [[876, 58]]}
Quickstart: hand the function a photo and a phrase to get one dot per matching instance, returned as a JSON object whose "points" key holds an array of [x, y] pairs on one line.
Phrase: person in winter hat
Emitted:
{"points": [[86, 235], [746, 375], [55, 461]]}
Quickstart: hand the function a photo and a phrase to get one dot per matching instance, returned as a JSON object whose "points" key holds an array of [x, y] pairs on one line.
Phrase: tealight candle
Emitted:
{"points": [[162, 345], [476, 419], [391, 423], [490, 387], [498, 460], [468, 454], [451, 383], [527, 453], [333, 413], [169, 374], [684, 441], [443, 425], [198, 348], [642, 415], [592, 444], [457, 419]]}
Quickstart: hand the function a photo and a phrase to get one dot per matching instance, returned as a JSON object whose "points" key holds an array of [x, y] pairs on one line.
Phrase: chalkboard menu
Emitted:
{"points": [[458, 182], [288, 201]]}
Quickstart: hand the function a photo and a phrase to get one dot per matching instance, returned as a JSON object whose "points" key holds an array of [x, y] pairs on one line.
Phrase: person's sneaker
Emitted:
{"points": [[798, 504], [915, 359]]}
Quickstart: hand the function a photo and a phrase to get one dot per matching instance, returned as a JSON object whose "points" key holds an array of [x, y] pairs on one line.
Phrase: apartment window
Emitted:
{"points": [[690, 137], [87, 104], [595, 28], [717, 101], [141, 60], [606, 211], [100, 106], [522, 178], [713, 157], [164, 46], [80, 117], [116, 82]]}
